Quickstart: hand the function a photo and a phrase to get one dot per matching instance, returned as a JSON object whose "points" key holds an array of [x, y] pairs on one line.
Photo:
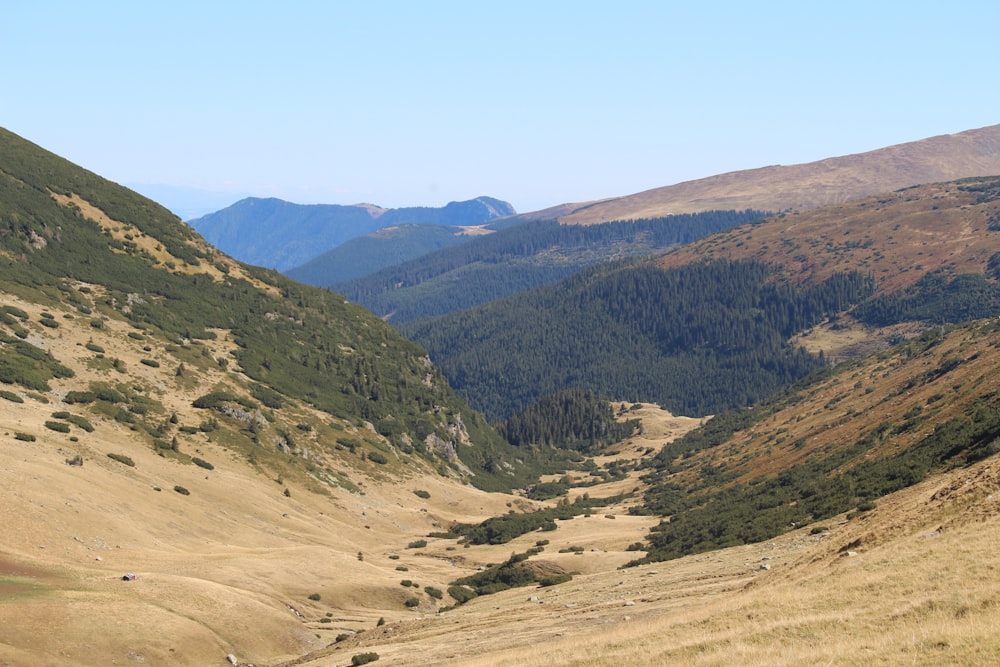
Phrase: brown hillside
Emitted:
{"points": [[897, 237], [888, 586], [804, 186]]}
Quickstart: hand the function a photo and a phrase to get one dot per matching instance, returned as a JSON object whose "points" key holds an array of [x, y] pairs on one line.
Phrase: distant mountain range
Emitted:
{"points": [[280, 235], [388, 246]]}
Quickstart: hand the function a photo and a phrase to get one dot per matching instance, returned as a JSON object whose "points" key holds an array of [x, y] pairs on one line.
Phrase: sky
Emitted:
{"points": [[537, 103]]}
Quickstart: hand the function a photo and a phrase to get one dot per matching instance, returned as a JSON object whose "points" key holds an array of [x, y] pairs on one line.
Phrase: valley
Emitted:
{"points": [[204, 462]]}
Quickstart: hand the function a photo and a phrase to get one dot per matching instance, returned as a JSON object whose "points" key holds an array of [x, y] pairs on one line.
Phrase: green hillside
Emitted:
{"points": [[518, 258], [710, 326], [367, 254], [83, 247]]}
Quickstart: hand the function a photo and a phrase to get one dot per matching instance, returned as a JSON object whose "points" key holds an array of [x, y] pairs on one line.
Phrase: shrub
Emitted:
{"points": [[202, 463], [412, 602], [11, 396], [26, 437], [417, 544], [377, 457], [433, 592], [94, 347], [420, 493], [363, 658], [406, 582], [342, 636], [75, 461], [80, 397], [461, 594], [555, 579], [402, 568], [315, 597], [57, 426], [181, 490], [121, 458], [80, 422], [152, 363]]}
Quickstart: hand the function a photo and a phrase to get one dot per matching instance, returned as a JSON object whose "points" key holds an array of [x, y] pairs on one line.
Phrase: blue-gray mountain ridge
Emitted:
{"points": [[281, 235]]}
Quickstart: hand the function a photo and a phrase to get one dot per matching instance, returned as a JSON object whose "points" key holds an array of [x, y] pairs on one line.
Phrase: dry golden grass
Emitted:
{"points": [[804, 186], [919, 587], [231, 567]]}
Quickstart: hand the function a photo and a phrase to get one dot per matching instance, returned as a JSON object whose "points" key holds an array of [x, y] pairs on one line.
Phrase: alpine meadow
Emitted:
{"points": [[751, 419]]}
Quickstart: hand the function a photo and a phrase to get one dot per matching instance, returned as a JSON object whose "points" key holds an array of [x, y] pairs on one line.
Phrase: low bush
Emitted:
{"points": [[555, 579], [26, 437], [61, 427], [80, 422], [420, 493], [11, 396], [202, 463], [363, 658], [121, 458], [181, 490], [417, 544], [461, 594], [80, 397]]}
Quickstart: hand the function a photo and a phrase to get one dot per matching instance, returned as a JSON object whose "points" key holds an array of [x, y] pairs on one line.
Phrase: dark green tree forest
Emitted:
{"points": [[696, 340]]}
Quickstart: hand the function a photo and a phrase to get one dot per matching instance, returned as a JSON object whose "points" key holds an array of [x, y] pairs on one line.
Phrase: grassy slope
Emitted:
{"points": [[885, 586], [805, 186]]}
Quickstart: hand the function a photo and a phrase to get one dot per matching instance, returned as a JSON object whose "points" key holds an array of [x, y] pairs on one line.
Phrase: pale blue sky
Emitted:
{"points": [[537, 103]]}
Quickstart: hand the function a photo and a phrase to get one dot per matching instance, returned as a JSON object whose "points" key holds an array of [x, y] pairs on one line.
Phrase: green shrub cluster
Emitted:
{"points": [[509, 574], [121, 458], [504, 528]]}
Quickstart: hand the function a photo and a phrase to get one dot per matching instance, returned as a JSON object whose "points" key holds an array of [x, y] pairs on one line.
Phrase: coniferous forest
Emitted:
{"points": [[519, 258], [696, 340]]}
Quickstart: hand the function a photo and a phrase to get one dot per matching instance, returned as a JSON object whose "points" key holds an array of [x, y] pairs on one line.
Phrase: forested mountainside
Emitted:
{"points": [[280, 235], [708, 327], [696, 339], [92, 255], [519, 258], [389, 246]]}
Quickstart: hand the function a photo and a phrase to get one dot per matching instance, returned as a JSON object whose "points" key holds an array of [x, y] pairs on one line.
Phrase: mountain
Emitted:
{"points": [[718, 323], [388, 246], [205, 462], [529, 254], [519, 258], [282, 235], [803, 186]]}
